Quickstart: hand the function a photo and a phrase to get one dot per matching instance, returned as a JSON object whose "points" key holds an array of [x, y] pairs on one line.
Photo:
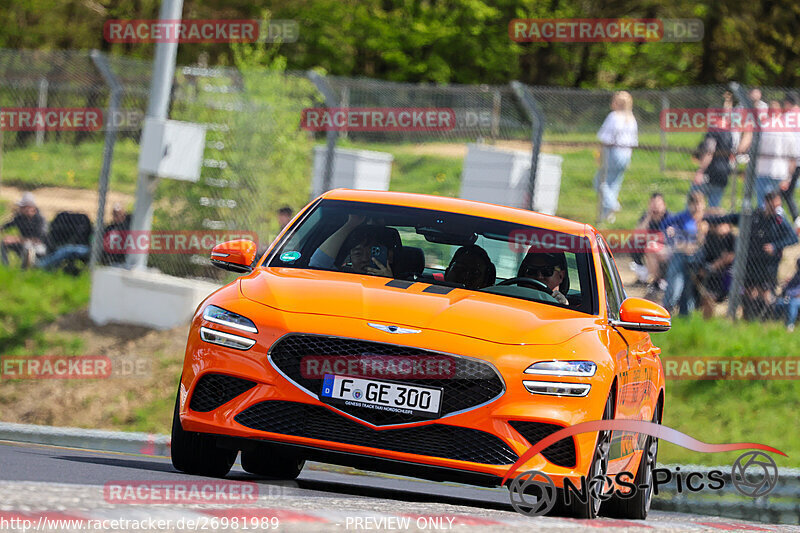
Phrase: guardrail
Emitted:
{"points": [[781, 505]]}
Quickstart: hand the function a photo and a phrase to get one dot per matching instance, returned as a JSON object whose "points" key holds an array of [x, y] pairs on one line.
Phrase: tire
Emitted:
{"points": [[637, 506], [275, 464], [197, 453], [599, 466]]}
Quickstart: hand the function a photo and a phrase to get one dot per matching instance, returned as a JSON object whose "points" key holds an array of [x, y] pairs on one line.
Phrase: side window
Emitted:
{"points": [[614, 291]]}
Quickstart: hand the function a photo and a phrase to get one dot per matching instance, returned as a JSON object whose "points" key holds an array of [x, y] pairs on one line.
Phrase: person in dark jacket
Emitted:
{"points": [[716, 153], [32, 231], [710, 268], [770, 233]]}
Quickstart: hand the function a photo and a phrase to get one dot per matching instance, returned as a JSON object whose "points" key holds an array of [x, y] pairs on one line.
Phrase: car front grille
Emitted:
{"points": [[214, 390], [471, 383], [433, 440], [561, 453]]}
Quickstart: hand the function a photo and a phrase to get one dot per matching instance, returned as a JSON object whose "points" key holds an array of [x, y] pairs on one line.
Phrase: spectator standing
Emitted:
{"points": [[715, 154], [619, 134], [747, 136], [285, 215], [777, 154], [791, 110], [682, 231], [770, 233], [32, 231], [755, 97]]}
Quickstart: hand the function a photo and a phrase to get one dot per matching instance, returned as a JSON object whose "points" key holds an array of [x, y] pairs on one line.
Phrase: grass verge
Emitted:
{"points": [[731, 410], [30, 300]]}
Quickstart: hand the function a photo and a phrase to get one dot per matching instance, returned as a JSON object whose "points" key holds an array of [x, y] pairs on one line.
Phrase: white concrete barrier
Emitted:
{"points": [[144, 298]]}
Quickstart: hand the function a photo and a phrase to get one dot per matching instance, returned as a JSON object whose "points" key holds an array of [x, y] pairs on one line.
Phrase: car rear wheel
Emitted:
{"points": [[599, 466], [197, 453], [638, 505], [272, 463]]}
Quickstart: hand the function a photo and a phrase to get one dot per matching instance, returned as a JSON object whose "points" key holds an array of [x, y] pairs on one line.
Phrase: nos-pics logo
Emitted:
{"points": [[754, 473]]}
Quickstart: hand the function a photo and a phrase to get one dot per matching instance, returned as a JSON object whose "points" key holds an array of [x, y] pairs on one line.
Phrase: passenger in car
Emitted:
{"points": [[364, 243], [550, 269], [472, 267]]}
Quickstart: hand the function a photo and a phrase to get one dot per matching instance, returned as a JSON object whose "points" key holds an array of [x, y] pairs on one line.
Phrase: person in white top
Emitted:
{"points": [[791, 106], [619, 134], [777, 155]]}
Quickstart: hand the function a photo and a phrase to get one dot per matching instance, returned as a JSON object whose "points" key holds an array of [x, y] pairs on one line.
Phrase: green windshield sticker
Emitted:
{"points": [[288, 257]]}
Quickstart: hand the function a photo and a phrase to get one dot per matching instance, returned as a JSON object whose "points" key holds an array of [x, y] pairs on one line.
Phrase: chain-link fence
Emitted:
{"points": [[508, 144]]}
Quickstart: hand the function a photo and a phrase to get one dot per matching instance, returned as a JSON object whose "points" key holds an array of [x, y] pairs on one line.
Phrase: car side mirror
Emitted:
{"points": [[638, 314], [236, 256]]}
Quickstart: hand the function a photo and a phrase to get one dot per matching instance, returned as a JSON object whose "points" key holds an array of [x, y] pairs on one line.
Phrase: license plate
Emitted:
{"points": [[382, 395]]}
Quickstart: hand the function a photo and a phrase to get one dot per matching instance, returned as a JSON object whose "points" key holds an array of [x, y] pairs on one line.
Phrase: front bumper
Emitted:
{"points": [[477, 445]]}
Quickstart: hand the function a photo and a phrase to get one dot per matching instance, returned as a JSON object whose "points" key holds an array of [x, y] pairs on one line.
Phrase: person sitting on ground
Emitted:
{"points": [[71, 252], [363, 242], [471, 267], [120, 222], [684, 232], [649, 265], [549, 268], [770, 233], [32, 231], [790, 299], [711, 267]]}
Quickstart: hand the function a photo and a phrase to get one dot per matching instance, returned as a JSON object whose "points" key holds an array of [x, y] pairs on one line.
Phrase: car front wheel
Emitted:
{"points": [[596, 490], [197, 453], [637, 505]]}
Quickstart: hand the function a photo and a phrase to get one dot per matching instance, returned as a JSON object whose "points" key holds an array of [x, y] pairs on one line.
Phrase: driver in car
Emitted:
{"points": [[365, 243], [471, 267], [548, 268]]}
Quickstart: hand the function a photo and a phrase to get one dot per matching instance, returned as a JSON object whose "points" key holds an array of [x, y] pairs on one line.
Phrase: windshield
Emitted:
{"points": [[447, 250]]}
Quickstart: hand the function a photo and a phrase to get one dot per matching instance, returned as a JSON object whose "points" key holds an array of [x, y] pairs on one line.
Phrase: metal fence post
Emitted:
{"points": [[158, 108], [41, 104], [746, 215], [101, 62], [662, 160], [330, 101], [537, 129]]}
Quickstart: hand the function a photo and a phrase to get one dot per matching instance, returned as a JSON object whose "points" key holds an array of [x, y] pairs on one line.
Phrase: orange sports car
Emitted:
{"points": [[425, 336]]}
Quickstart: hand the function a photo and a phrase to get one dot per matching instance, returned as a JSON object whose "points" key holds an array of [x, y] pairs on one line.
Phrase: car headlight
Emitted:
{"points": [[218, 315], [584, 369], [551, 388], [226, 339]]}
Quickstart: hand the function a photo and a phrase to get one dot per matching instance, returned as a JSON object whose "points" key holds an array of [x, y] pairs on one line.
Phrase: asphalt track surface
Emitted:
{"points": [[50, 488]]}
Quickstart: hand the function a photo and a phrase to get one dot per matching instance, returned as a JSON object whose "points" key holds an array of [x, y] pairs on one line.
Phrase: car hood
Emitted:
{"points": [[490, 317]]}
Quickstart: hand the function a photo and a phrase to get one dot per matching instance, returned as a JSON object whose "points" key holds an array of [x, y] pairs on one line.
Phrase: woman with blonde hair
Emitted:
{"points": [[618, 135]]}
